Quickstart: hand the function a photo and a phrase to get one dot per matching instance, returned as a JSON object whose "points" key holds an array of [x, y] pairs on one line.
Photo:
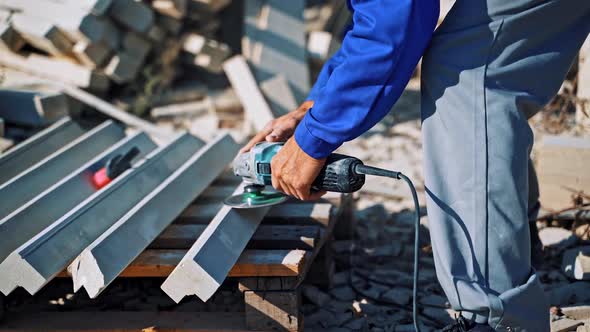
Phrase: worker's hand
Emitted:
{"points": [[280, 129], [293, 171]]}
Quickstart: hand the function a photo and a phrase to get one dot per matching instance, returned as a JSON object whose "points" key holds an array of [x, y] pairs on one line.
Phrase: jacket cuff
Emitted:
{"points": [[314, 147]]}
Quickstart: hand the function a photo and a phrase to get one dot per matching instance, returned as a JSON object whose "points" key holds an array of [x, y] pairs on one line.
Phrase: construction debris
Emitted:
{"points": [[178, 63]]}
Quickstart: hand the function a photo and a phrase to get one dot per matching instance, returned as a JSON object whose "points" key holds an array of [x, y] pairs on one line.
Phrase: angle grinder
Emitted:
{"points": [[341, 173]]}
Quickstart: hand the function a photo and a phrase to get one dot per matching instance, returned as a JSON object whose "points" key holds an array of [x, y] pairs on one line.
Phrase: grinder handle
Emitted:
{"points": [[338, 175]]}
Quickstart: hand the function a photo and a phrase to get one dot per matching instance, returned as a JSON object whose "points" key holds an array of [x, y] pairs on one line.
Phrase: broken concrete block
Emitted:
{"points": [[344, 293], [398, 295], [279, 95], [576, 263], [434, 300], [134, 44], [256, 109], [134, 15], [156, 34], [584, 328], [123, 67], [315, 295], [205, 53], [565, 325], [91, 55]]}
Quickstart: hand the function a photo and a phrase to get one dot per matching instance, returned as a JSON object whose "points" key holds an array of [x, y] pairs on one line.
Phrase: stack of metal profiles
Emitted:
{"points": [[52, 214]]}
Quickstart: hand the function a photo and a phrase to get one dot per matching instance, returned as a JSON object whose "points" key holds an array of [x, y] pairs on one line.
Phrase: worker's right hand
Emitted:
{"points": [[280, 129]]}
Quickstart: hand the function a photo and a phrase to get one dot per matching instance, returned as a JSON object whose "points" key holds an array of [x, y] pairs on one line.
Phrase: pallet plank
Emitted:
{"points": [[267, 263], [266, 237]]}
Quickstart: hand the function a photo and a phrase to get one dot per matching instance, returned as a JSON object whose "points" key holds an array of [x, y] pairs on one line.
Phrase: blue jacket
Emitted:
{"points": [[358, 86]]}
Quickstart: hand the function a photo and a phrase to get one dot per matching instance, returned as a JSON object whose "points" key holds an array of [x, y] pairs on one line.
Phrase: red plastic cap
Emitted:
{"points": [[100, 178]]}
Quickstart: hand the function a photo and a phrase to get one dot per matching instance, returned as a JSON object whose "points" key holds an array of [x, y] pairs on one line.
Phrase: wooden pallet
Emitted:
{"points": [[269, 272]]}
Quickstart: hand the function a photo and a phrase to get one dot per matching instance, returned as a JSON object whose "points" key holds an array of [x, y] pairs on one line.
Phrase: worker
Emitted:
{"points": [[489, 65]]}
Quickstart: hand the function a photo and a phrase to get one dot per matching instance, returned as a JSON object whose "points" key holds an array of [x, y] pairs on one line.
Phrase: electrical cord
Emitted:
{"points": [[369, 170]]}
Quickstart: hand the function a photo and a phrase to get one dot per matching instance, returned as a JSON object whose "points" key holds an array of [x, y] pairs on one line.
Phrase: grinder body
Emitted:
{"points": [[337, 175]]}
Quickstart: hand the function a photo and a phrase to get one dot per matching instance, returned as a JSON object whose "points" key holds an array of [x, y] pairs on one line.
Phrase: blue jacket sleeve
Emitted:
{"points": [[363, 80]]}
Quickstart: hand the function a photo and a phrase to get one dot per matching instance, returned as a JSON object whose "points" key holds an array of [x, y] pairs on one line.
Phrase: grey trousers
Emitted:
{"points": [[491, 64]]}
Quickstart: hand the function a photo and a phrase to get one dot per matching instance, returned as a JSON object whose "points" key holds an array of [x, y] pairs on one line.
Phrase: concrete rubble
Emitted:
{"points": [[182, 65]]}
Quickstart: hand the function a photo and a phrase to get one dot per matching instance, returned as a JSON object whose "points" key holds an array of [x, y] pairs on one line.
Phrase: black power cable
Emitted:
{"points": [[369, 170]]}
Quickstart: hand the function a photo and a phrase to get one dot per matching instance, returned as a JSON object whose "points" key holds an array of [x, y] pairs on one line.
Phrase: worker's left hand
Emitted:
{"points": [[293, 171]]}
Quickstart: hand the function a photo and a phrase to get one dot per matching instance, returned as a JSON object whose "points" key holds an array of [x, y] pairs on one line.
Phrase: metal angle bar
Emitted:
{"points": [[50, 170], [39, 146], [41, 258], [208, 262], [38, 213], [102, 261]]}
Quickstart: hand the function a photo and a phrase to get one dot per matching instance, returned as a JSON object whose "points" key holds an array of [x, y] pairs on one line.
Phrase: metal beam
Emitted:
{"points": [[209, 260], [39, 146], [31, 218], [41, 258], [53, 168], [32, 108], [103, 260]]}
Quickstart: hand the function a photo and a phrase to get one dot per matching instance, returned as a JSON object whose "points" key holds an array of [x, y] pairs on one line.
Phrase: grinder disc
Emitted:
{"points": [[254, 197]]}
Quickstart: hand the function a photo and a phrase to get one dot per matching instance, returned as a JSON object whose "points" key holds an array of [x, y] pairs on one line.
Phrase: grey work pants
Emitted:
{"points": [[490, 64]]}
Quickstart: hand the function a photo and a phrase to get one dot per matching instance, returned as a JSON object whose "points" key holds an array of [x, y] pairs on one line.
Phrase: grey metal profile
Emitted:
{"points": [[28, 184], [39, 146], [44, 256], [102, 261], [32, 217], [32, 108], [208, 262]]}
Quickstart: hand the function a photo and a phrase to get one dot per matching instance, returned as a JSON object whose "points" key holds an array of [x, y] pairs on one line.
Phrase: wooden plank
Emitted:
{"points": [[265, 237], [56, 71], [251, 263], [562, 170], [127, 321], [76, 22], [42, 34], [209, 260], [257, 111], [173, 8], [274, 311]]}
